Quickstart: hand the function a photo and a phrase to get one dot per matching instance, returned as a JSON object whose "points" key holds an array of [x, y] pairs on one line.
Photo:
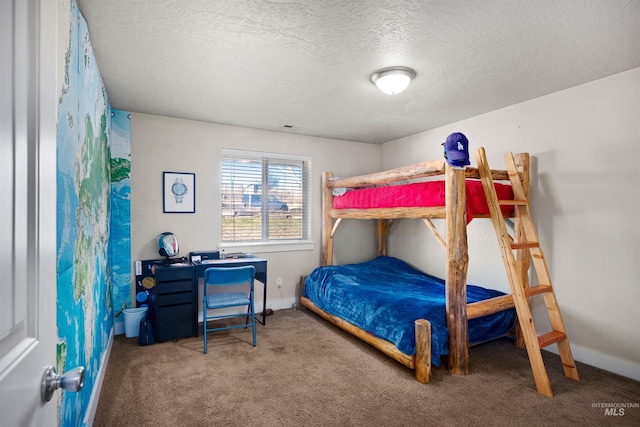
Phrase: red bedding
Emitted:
{"points": [[420, 194]]}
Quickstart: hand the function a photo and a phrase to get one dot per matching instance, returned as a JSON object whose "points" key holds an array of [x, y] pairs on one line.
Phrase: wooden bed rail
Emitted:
{"points": [[419, 170], [421, 362]]}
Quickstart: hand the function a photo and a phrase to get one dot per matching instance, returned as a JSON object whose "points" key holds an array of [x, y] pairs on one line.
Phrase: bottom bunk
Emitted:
{"points": [[380, 301]]}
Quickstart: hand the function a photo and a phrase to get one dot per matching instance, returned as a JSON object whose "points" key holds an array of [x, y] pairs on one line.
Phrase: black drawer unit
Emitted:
{"points": [[176, 304]]}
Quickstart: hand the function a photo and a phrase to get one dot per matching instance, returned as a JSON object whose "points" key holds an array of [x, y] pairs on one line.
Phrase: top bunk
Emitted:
{"points": [[435, 189], [414, 191]]}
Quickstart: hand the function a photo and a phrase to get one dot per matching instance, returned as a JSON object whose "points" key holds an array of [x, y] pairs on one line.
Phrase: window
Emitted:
{"points": [[265, 198]]}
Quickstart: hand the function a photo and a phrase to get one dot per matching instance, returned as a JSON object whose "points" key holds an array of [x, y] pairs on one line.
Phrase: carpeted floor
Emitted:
{"points": [[307, 372]]}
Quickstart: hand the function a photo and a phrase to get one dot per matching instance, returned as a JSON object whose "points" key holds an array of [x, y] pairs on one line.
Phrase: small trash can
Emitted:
{"points": [[132, 318]]}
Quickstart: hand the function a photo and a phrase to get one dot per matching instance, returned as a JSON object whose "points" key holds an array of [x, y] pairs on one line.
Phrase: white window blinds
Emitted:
{"points": [[265, 197]]}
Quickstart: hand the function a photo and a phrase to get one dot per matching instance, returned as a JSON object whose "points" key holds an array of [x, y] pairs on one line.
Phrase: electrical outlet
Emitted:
{"points": [[279, 281]]}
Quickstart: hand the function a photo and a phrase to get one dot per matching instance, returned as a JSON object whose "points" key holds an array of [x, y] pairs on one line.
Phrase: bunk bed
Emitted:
{"points": [[414, 191]]}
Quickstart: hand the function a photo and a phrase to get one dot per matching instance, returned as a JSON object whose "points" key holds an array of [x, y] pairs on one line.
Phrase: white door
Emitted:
{"points": [[28, 120]]}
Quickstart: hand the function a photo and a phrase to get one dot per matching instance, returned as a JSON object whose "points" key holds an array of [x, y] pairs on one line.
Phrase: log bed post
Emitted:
{"points": [[327, 222], [456, 271], [382, 236], [422, 362]]}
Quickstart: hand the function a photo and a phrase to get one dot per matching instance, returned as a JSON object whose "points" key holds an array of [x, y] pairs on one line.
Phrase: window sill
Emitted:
{"points": [[262, 247]]}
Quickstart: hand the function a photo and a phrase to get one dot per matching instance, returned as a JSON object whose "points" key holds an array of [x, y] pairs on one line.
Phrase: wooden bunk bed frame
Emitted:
{"points": [[458, 312]]}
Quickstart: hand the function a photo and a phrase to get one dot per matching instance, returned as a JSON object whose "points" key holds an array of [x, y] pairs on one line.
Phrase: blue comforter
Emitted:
{"points": [[385, 296]]}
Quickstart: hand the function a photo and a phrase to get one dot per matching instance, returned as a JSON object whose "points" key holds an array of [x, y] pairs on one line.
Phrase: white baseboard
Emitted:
{"points": [[97, 387], [603, 361], [119, 327], [280, 304]]}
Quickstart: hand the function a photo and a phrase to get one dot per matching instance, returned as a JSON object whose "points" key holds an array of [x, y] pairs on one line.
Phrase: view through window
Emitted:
{"points": [[265, 197]]}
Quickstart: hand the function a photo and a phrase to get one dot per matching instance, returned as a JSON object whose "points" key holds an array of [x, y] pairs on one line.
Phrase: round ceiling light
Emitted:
{"points": [[393, 80]]}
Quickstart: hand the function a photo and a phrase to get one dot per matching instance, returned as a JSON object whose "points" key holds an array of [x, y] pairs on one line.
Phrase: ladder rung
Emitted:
{"points": [[536, 290], [525, 245], [512, 202], [551, 338]]}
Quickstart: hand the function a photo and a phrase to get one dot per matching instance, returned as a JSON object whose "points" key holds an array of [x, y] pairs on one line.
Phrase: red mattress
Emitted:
{"points": [[420, 194]]}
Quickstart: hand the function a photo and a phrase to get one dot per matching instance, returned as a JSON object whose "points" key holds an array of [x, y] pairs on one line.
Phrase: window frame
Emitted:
{"points": [[273, 245]]}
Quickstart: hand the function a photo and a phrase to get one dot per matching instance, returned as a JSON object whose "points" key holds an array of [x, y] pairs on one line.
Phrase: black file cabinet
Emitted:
{"points": [[176, 303]]}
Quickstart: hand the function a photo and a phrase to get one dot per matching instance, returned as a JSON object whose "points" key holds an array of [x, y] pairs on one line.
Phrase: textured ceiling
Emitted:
{"points": [[307, 63]]}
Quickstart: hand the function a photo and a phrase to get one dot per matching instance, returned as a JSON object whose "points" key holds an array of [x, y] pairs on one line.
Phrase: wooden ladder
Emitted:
{"points": [[521, 293]]}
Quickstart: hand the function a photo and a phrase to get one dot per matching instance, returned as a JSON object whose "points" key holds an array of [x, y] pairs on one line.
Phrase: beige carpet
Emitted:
{"points": [[306, 372]]}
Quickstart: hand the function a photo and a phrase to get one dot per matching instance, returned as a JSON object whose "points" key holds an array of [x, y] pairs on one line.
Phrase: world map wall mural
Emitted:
{"points": [[120, 238], [93, 225]]}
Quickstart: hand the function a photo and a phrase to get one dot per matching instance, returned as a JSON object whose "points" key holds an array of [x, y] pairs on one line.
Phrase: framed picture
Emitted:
{"points": [[178, 192]]}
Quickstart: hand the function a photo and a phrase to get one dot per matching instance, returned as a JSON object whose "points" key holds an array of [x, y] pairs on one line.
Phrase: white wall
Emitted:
{"points": [[161, 144], [585, 145]]}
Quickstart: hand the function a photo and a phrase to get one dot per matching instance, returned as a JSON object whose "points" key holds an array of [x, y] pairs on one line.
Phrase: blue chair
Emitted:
{"points": [[225, 288]]}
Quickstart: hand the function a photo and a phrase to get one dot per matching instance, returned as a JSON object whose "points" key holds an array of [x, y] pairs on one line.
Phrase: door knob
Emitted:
{"points": [[72, 380]]}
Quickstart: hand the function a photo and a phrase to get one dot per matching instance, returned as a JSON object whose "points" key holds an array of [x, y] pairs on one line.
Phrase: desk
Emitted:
{"points": [[260, 265]]}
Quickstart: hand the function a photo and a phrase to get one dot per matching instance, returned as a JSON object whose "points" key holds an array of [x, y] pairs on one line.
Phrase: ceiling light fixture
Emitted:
{"points": [[393, 80]]}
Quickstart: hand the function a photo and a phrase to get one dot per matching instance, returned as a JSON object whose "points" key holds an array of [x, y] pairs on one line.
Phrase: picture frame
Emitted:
{"points": [[178, 192]]}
